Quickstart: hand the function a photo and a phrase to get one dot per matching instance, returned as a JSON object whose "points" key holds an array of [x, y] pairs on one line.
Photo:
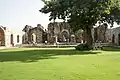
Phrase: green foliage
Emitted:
{"points": [[82, 13]]}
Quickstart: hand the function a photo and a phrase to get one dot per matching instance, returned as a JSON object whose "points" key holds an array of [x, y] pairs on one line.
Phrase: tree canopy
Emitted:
{"points": [[83, 14]]}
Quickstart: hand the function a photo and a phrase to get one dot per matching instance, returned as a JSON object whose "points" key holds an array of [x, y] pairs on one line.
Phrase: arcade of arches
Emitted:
{"points": [[58, 32], [9, 38], [61, 32]]}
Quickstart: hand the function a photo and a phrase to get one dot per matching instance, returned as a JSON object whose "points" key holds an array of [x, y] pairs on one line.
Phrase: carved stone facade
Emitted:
{"points": [[113, 36], [61, 32], [58, 32], [100, 33], [105, 35], [34, 35]]}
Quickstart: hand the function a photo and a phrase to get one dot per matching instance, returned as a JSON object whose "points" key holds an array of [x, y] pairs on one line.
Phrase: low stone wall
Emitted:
{"points": [[45, 46]]}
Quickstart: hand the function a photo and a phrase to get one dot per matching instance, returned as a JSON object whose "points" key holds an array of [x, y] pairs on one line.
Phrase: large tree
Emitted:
{"points": [[83, 14]]}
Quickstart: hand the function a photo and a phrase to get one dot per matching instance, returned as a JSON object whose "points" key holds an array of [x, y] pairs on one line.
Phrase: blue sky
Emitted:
{"points": [[15, 14]]}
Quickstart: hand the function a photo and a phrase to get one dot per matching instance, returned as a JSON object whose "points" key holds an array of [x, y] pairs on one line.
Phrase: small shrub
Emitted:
{"points": [[82, 47]]}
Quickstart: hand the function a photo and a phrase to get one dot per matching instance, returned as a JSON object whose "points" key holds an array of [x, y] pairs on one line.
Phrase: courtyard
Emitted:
{"points": [[59, 64]]}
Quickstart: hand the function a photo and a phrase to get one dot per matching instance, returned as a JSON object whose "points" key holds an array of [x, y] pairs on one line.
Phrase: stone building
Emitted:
{"points": [[113, 35], [9, 38], [34, 34], [107, 35], [100, 33], [61, 32], [58, 32]]}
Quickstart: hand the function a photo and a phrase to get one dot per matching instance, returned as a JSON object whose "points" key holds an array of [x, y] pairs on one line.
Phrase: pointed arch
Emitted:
{"points": [[11, 38], [65, 35], [33, 37], [18, 38], [113, 38], [2, 37]]}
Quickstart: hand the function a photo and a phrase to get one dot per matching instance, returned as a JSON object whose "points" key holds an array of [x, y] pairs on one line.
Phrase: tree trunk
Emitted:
{"points": [[89, 39]]}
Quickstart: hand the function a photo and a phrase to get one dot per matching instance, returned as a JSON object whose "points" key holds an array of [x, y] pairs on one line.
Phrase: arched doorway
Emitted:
{"points": [[33, 37], [119, 39], [18, 38], [2, 37], [65, 36], [73, 38], [11, 40], [113, 38]]}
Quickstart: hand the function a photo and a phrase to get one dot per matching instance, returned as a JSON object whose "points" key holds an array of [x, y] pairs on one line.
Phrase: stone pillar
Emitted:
{"points": [[73, 41], [56, 39]]}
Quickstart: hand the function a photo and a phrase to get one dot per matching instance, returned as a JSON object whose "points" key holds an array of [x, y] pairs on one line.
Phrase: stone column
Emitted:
{"points": [[56, 39]]}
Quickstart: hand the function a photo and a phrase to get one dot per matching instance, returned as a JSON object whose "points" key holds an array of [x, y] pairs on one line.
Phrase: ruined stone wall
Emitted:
{"points": [[63, 32], [113, 35], [2, 37], [100, 33], [36, 34]]}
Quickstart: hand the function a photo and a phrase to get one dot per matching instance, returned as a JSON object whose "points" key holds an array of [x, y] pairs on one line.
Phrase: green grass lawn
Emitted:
{"points": [[59, 64]]}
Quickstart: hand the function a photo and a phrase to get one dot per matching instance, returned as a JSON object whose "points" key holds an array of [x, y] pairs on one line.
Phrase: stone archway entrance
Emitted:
{"points": [[2, 37], [11, 40], [113, 38], [33, 37], [119, 39], [65, 36]]}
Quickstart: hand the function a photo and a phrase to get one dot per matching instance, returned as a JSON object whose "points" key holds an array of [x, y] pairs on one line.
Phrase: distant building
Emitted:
{"points": [[100, 33], [105, 35], [33, 34], [58, 32], [9, 38], [61, 32], [113, 35]]}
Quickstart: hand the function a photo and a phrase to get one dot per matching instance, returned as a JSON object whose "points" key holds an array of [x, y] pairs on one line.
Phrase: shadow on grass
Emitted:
{"points": [[111, 49], [35, 55]]}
